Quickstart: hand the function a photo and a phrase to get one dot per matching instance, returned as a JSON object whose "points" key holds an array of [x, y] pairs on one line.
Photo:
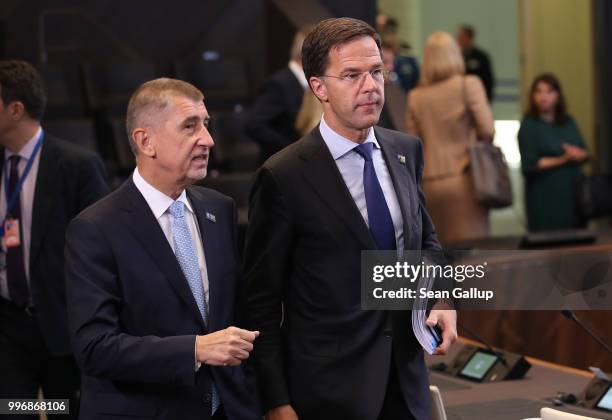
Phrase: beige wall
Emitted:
{"points": [[557, 37]]}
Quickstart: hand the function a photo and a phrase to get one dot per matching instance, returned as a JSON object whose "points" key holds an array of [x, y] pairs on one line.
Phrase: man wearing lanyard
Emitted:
{"points": [[45, 183]]}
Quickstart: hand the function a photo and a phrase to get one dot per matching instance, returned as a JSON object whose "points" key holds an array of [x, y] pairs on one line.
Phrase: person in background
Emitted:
{"points": [[477, 61], [394, 110], [552, 150], [405, 70], [309, 115], [449, 111], [45, 183], [271, 121]]}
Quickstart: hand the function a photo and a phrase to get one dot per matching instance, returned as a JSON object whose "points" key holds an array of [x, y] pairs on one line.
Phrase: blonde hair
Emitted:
{"points": [[152, 97], [295, 53], [442, 58], [309, 115]]}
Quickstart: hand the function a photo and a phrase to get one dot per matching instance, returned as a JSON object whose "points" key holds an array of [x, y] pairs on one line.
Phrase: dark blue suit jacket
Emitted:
{"points": [[329, 359], [69, 179], [133, 318]]}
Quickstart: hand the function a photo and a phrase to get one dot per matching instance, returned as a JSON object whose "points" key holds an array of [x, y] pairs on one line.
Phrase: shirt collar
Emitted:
{"points": [[339, 145], [157, 200], [27, 150], [298, 72]]}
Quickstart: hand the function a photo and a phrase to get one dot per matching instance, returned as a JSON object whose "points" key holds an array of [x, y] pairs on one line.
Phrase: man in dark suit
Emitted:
{"points": [[272, 117], [152, 277], [346, 187], [477, 61], [45, 183]]}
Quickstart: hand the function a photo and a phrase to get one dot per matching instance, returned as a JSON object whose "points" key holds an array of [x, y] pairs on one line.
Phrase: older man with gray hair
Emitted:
{"points": [[152, 277]]}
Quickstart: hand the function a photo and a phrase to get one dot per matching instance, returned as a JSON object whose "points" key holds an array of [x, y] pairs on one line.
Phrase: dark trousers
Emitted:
{"points": [[394, 406], [27, 365]]}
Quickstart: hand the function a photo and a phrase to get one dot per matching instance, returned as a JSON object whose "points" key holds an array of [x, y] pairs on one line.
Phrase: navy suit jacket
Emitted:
{"points": [[273, 114], [133, 318], [328, 358]]}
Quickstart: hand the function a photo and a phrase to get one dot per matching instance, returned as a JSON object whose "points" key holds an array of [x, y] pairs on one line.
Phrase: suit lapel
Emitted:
{"points": [[402, 182], [322, 173], [141, 221], [45, 194], [210, 236]]}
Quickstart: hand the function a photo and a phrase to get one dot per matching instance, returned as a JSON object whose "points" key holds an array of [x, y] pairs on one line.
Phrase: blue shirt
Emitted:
{"points": [[350, 164]]}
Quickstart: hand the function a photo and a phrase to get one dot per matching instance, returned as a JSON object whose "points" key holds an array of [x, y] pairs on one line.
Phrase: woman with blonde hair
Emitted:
{"points": [[449, 112], [309, 115]]}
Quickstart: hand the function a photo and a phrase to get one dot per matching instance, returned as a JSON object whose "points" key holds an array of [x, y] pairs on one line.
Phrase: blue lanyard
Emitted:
{"points": [[11, 201]]}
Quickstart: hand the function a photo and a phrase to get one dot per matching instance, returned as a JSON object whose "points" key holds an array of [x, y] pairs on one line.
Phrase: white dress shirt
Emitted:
{"points": [[350, 164], [26, 196], [159, 204], [298, 72]]}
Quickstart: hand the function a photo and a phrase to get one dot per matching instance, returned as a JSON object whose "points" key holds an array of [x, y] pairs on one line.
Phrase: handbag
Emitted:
{"points": [[490, 173]]}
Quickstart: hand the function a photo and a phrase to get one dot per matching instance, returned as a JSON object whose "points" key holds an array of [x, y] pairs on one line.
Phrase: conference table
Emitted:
{"points": [[509, 400]]}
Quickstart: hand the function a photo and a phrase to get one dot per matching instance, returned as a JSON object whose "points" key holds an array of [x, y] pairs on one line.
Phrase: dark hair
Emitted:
{"points": [[328, 34], [19, 81], [560, 109], [390, 26], [469, 30]]}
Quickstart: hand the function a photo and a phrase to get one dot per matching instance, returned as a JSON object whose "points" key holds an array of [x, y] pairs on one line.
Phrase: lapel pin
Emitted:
{"points": [[211, 217], [402, 159]]}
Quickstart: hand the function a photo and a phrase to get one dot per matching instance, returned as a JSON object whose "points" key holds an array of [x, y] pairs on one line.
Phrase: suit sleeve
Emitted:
{"points": [[101, 347], [267, 258], [92, 180], [268, 106], [488, 78], [528, 147], [479, 108]]}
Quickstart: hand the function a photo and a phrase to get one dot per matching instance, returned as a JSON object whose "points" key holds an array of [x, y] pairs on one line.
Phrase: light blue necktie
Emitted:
{"points": [[185, 251]]}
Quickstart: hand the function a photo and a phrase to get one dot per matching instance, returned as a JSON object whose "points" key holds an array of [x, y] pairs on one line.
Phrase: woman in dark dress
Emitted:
{"points": [[552, 150]]}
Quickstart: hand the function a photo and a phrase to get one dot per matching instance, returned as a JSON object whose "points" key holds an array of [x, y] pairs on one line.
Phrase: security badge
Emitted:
{"points": [[11, 238]]}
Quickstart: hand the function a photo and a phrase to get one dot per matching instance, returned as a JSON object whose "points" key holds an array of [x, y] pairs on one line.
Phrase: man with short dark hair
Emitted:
{"points": [[477, 61], [347, 186], [45, 183], [153, 277]]}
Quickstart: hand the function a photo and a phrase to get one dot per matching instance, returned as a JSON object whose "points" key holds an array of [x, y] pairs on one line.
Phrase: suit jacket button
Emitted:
{"points": [[207, 399]]}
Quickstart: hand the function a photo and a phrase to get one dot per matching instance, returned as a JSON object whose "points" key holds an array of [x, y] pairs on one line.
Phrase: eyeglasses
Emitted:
{"points": [[378, 74]]}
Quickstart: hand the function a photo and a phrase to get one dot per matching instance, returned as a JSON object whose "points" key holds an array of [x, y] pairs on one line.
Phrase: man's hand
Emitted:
{"points": [[446, 318], [283, 412], [228, 347]]}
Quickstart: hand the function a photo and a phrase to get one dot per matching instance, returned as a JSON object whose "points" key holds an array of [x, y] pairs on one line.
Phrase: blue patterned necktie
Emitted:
{"points": [[379, 216], [185, 251]]}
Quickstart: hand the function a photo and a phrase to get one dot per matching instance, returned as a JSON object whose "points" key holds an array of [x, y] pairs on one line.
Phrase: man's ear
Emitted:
{"points": [[16, 110], [143, 139], [318, 88]]}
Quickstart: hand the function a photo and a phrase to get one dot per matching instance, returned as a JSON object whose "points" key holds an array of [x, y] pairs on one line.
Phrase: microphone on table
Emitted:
{"points": [[486, 344], [569, 314]]}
